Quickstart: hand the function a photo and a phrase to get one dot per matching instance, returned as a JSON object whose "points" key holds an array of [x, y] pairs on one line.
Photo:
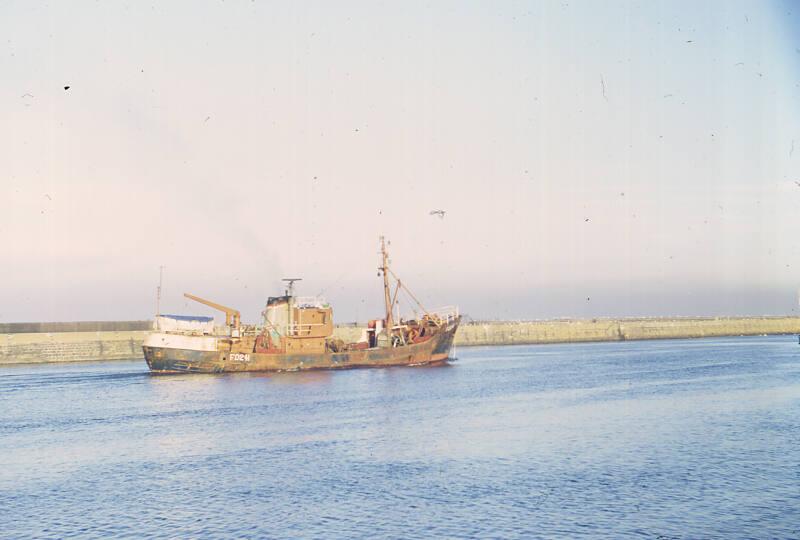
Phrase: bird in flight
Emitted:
{"points": [[439, 213]]}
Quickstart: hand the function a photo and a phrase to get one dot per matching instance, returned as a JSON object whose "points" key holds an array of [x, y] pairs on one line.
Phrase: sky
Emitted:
{"points": [[592, 158]]}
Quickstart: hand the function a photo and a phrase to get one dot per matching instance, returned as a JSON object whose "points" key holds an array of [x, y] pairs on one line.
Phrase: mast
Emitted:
{"points": [[158, 290], [386, 293], [290, 330]]}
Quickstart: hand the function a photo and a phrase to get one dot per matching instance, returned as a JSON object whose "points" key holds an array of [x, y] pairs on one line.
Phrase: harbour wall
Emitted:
{"points": [[80, 326], [587, 330], [44, 347], [26, 343]]}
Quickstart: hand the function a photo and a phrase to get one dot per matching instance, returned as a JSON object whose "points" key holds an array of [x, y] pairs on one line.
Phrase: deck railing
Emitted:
{"points": [[446, 315], [301, 329]]}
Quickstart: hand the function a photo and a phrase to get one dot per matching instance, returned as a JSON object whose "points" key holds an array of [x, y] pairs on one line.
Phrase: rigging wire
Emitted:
{"points": [[332, 284], [406, 289]]}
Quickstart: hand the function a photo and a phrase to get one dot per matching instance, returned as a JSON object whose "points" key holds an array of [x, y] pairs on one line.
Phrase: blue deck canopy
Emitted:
{"points": [[198, 318]]}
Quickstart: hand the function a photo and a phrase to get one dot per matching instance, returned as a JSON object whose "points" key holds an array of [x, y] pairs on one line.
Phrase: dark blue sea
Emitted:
{"points": [[658, 439]]}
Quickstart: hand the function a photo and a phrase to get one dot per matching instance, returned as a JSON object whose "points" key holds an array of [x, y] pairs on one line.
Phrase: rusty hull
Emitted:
{"points": [[169, 360]]}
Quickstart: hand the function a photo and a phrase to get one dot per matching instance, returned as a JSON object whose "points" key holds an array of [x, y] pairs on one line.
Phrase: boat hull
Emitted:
{"points": [[171, 359]]}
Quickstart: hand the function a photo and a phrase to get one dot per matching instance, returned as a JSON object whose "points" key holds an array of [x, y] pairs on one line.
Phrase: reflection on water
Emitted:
{"points": [[295, 377], [672, 438]]}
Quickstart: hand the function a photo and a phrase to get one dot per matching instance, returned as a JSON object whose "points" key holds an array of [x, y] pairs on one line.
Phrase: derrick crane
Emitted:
{"points": [[230, 313]]}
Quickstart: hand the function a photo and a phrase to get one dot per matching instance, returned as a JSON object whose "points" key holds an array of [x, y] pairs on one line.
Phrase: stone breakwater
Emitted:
{"points": [[70, 346], [583, 330], [23, 344]]}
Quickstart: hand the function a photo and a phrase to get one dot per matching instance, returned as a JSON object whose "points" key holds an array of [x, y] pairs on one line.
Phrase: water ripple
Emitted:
{"points": [[681, 439]]}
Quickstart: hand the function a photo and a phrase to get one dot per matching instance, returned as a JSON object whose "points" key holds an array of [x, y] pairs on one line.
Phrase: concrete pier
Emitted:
{"points": [[25, 343]]}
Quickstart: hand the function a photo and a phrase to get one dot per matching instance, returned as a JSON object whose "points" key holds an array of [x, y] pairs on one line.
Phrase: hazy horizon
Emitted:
{"points": [[593, 159]]}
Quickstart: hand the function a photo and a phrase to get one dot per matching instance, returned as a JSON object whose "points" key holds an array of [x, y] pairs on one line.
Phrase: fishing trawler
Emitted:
{"points": [[297, 334]]}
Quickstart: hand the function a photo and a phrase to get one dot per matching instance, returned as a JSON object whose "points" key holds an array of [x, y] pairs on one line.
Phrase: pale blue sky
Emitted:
{"points": [[241, 142]]}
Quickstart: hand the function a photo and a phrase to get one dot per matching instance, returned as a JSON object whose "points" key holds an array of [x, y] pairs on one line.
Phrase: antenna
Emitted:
{"points": [[290, 285], [158, 290]]}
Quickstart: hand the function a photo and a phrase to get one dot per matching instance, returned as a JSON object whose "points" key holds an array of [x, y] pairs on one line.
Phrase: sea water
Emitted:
{"points": [[657, 439]]}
